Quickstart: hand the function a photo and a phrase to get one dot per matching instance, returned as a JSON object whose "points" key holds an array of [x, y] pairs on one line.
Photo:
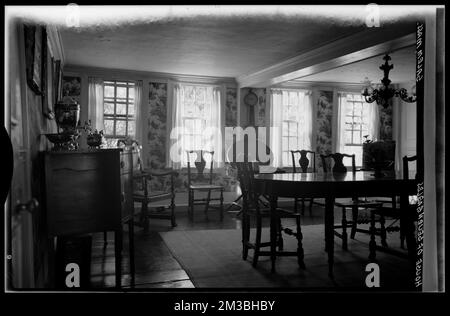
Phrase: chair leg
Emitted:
{"points": [[344, 229], [295, 205], [191, 205], [105, 239], [221, 205], [303, 206], [131, 250], [355, 222], [172, 214], [402, 240], [372, 243], [383, 231], [118, 257], [280, 241], [300, 253], [310, 206], [208, 199], [257, 240], [144, 216], [245, 235]]}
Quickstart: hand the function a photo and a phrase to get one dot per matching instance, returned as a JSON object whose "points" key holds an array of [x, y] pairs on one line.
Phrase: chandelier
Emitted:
{"points": [[384, 92]]}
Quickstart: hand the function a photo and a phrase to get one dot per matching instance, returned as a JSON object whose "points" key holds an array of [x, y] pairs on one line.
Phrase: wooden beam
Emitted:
{"points": [[357, 47]]}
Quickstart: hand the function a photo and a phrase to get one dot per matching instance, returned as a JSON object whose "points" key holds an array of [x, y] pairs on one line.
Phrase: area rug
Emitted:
{"points": [[213, 259]]}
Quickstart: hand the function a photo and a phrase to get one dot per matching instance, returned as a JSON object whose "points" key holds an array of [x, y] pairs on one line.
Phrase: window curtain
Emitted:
{"points": [[302, 100], [340, 133], [276, 117], [95, 103], [175, 127], [215, 131], [373, 119], [138, 110], [212, 139]]}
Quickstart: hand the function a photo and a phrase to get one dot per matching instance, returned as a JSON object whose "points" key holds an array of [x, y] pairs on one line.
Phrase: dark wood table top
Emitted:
{"points": [[361, 183]]}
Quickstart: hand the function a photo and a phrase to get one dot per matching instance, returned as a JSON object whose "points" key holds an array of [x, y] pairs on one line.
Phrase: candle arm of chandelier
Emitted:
{"points": [[403, 94], [370, 98]]}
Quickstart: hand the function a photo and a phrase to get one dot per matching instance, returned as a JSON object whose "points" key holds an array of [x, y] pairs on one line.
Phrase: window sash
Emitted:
{"points": [[115, 100]]}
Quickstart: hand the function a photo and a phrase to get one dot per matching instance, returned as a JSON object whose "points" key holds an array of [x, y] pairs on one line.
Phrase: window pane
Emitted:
{"points": [[285, 158], [189, 126], [349, 110], [131, 128], [121, 108], [109, 92], [356, 138], [285, 130], [131, 109], [348, 137], [292, 129], [121, 128], [131, 93], [109, 127], [292, 143], [284, 143], [109, 108], [121, 92]]}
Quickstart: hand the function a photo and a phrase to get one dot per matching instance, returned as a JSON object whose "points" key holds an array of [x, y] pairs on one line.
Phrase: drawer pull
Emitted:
{"points": [[122, 164]]}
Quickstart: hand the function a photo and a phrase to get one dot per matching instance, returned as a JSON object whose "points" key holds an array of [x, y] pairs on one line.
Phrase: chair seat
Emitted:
{"points": [[358, 203], [153, 196], [205, 187]]}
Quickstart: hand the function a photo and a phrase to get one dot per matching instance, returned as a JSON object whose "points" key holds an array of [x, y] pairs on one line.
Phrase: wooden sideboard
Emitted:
{"points": [[89, 191]]}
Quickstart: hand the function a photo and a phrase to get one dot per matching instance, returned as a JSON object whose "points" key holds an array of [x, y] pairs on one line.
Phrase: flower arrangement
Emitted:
{"points": [[94, 138]]}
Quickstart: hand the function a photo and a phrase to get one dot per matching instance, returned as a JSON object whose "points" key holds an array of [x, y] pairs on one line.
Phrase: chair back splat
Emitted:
{"points": [[338, 162], [303, 161]]}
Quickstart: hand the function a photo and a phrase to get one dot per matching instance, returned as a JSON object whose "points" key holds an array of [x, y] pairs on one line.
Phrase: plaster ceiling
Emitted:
{"points": [[403, 72], [222, 46]]}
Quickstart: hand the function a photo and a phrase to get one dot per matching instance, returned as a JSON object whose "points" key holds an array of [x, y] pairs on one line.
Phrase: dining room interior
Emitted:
{"points": [[225, 147]]}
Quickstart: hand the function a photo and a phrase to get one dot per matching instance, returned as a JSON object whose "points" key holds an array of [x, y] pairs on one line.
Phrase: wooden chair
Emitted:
{"points": [[145, 197], [355, 204], [200, 183], [252, 209], [391, 211], [303, 164]]}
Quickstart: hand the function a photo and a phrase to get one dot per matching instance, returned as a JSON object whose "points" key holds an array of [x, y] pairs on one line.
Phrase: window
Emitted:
{"points": [[295, 107], [357, 125], [198, 121], [119, 109]]}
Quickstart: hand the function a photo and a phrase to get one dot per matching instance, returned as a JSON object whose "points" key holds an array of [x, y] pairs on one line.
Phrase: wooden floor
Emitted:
{"points": [[156, 267]]}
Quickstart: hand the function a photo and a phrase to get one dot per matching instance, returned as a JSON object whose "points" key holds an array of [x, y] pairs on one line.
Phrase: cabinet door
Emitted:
{"points": [[83, 192]]}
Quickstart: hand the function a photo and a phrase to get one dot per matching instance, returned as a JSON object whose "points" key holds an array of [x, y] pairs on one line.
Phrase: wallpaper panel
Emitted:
{"points": [[324, 125]]}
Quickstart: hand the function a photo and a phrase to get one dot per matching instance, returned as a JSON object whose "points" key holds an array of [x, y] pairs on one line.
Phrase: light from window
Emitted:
{"points": [[356, 126], [196, 117], [119, 109], [293, 132]]}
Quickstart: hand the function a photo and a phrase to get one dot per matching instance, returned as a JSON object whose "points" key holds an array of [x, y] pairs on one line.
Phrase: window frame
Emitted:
{"points": [[115, 117], [352, 130]]}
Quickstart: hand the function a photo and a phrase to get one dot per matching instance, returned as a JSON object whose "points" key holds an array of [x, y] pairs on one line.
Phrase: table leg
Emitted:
{"points": [[118, 257], [131, 250], [407, 227], [329, 235], [273, 230]]}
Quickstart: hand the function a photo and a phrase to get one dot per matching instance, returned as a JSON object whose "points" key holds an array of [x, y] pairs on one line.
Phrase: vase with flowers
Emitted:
{"points": [[94, 138]]}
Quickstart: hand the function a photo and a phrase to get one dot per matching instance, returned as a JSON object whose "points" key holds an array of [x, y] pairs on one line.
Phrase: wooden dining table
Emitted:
{"points": [[338, 185]]}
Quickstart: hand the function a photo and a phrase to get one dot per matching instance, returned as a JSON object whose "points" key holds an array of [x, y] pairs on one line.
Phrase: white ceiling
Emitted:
{"points": [[403, 71], [212, 45]]}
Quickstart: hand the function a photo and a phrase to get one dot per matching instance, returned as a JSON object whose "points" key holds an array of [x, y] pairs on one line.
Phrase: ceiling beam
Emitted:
{"points": [[354, 48]]}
